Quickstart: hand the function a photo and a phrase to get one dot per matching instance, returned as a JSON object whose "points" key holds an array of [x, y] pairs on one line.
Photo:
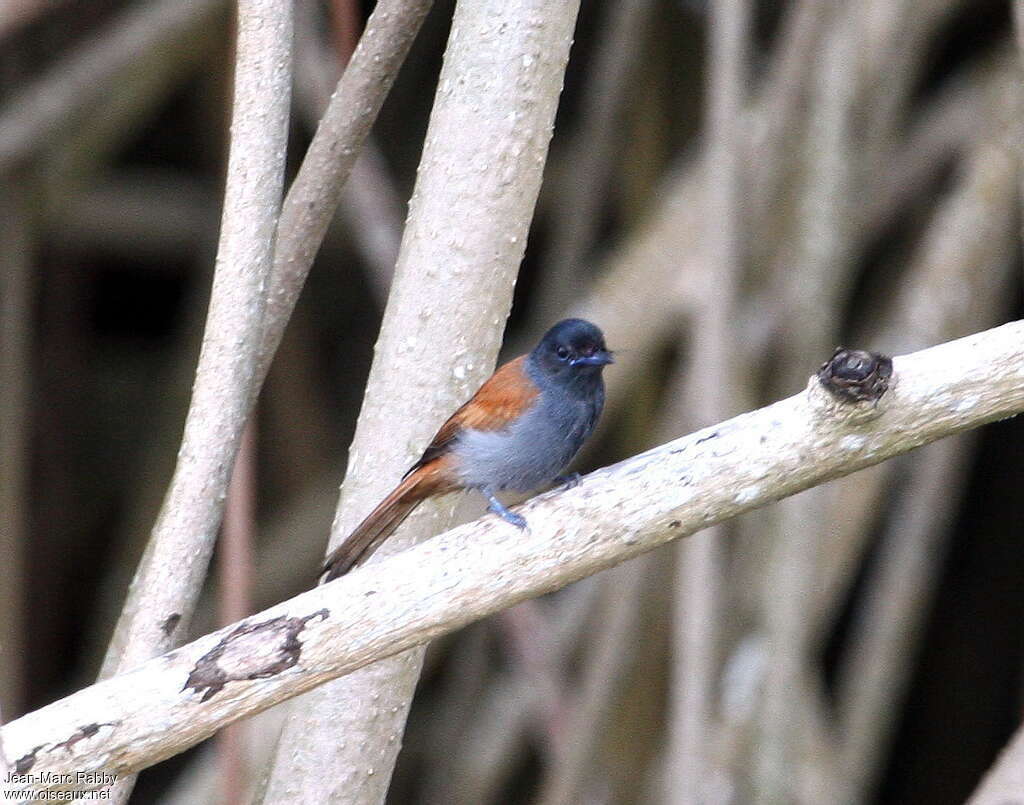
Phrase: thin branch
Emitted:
{"points": [[876, 666], [174, 701], [572, 773], [472, 769], [968, 244], [710, 389], [235, 578], [16, 280], [163, 593], [593, 152], [162, 596], [146, 216], [814, 276], [370, 205]]}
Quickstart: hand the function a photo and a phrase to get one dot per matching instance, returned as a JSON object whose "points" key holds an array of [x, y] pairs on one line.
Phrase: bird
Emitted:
{"points": [[519, 431]]}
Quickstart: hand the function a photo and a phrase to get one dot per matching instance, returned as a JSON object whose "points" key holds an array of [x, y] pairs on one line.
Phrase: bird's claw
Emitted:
{"points": [[496, 506], [515, 519]]}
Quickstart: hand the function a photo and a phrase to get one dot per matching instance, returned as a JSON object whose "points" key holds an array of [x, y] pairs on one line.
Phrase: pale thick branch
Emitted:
{"points": [[164, 590], [1005, 780], [176, 700], [481, 166]]}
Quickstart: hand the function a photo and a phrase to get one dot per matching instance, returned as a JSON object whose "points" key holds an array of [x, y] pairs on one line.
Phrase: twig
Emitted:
{"points": [[174, 701], [592, 154], [530, 635], [967, 245], [970, 244], [878, 662], [472, 770], [572, 771], [710, 388], [776, 120], [815, 279], [148, 216], [370, 205], [16, 14]]}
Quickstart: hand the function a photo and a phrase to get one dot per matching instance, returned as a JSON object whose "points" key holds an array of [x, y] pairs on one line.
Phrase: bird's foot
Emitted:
{"points": [[499, 509], [569, 481]]}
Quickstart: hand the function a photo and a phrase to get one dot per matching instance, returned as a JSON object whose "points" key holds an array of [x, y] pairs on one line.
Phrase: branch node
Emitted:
{"points": [[853, 382]]}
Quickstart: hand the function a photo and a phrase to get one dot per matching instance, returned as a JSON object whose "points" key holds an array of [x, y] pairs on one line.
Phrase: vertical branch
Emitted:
{"points": [[711, 392], [1018, 27], [235, 571], [969, 244], [162, 595], [469, 216], [175, 561], [370, 204], [15, 375]]}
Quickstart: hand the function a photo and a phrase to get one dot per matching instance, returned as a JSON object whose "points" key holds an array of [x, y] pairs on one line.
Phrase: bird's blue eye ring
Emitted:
{"points": [[562, 352]]}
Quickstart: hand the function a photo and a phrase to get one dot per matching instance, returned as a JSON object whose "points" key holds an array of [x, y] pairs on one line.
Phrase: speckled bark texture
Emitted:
{"points": [[136, 719], [469, 216]]}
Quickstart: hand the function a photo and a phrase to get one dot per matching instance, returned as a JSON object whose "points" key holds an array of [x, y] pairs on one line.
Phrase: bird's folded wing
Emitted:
{"points": [[501, 400]]}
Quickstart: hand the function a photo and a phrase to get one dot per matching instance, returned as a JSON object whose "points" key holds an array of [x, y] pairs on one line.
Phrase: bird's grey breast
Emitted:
{"points": [[534, 449]]}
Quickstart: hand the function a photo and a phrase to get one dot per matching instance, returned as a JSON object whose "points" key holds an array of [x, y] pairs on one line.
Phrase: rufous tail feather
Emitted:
{"points": [[379, 524]]}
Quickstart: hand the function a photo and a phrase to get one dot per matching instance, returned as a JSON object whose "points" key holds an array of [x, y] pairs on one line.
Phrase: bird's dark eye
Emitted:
{"points": [[562, 352]]}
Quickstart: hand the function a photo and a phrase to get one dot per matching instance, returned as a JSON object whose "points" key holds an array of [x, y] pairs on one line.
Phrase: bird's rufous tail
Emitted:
{"points": [[381, 523]]}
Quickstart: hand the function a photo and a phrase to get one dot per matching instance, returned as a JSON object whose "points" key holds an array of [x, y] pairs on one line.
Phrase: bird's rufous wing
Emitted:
{"points": [[498, 402]]}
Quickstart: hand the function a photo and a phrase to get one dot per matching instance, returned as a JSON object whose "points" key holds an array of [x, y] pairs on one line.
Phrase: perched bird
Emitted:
{"points": [[518, 432]]}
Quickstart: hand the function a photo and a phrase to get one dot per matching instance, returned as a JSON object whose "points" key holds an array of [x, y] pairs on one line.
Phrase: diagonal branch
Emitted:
{"points": [[314, 194], [166, 585], [175, 701]]}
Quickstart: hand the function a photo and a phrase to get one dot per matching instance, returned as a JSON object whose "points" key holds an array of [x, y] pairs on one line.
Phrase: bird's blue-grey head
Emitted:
{"points": [[573, 351]]}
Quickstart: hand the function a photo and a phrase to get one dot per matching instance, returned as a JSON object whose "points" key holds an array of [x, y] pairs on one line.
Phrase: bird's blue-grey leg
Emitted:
{"points": [[568, 481], [499, 509]]}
